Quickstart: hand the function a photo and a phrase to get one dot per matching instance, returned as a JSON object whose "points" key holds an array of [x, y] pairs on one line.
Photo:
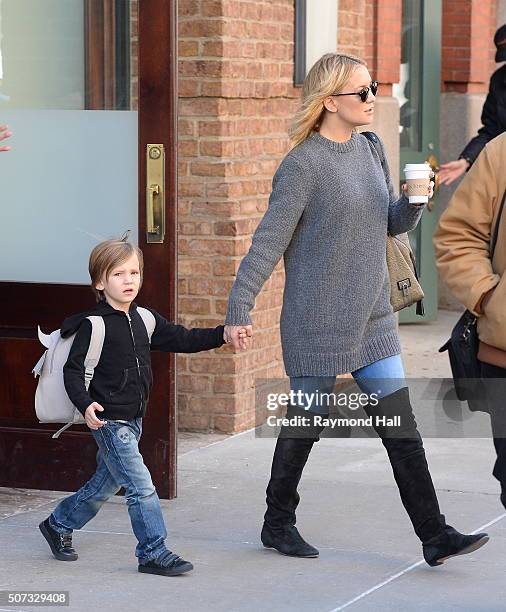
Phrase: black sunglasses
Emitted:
{"points": [[364, 93]]}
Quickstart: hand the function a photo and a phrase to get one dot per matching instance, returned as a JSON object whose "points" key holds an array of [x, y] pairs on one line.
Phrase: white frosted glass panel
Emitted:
{"points": [[69, 182], [321, 29]]}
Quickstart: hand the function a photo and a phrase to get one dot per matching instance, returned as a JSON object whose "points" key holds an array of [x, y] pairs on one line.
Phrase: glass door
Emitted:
{"points": [[418, 96], [83, 87]]}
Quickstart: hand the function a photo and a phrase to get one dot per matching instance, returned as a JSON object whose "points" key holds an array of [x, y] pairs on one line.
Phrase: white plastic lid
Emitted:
{"points": [[424, 166]]}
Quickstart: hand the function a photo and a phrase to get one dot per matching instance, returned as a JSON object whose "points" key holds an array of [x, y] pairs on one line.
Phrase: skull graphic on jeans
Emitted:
{"points": [[124, 435]]}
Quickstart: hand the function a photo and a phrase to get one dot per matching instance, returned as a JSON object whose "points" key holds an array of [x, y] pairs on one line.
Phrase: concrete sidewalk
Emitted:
{"points": [[350, 509]]}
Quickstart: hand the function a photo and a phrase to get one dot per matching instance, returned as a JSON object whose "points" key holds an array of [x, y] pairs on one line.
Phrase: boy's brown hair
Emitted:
{"points": [[108, 255]]}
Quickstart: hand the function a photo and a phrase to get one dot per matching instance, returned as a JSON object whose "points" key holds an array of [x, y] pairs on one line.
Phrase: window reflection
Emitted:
{"points": [[68, 55], [408, 90]]}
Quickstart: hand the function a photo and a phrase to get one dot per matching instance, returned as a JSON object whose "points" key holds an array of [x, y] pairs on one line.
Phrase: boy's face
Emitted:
{"points": [[122, 285]]}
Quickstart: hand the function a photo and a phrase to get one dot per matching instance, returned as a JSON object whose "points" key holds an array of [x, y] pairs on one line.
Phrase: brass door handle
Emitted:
{"points": [[155, 193]]}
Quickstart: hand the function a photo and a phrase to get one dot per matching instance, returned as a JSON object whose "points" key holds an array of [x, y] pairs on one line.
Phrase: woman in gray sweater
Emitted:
{"points": [[329, 212]]}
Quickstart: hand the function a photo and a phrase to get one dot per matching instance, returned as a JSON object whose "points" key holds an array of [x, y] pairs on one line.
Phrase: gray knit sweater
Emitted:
{"points": [[328, 215]]}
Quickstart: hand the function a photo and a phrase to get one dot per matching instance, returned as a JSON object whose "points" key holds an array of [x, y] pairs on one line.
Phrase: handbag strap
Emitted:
{"points": [[372, 138], [496, 229]]}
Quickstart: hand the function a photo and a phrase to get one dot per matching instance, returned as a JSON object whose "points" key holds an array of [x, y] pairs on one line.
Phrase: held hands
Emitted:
{"points": [[91, 418], [430, 188], [451, 171], [238, 335]]}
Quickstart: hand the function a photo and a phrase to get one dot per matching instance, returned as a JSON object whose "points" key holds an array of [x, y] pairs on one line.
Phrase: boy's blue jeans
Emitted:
{"points": [[119, 464]]}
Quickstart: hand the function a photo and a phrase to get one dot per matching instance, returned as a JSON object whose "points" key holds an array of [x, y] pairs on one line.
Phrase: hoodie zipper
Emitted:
{"points": [[136, 359]]}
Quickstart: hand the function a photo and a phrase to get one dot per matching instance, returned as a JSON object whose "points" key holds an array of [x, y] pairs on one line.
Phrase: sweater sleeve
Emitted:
{"points": [[73, 370], [402, 216], [463, 235], [171, 338], [291, 190]]}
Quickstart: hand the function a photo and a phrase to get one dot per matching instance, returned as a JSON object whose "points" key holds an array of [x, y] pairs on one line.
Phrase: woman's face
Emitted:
{"points": [[351, 109]]}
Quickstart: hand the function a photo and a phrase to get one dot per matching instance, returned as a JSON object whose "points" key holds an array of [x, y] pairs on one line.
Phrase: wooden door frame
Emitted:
{"points": [[70, 460], [158, 118]]}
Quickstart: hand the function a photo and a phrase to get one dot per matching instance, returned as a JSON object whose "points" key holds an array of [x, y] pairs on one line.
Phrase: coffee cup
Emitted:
{"points": [[418, 181]]}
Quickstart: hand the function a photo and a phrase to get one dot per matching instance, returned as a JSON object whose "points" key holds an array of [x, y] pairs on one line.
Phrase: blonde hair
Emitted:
{"points": [[108, 255], [327, 76]]}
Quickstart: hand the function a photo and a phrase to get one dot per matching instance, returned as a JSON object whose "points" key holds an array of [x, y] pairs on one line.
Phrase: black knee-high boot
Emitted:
{"points": [[290, 457], [405, 450]]}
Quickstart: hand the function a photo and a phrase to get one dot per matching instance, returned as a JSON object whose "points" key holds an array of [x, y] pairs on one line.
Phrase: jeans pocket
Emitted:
{"points": [[101, 438]]}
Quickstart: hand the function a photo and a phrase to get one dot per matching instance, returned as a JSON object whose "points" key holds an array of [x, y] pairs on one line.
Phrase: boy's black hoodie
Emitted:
{"points": [[122, 379]]}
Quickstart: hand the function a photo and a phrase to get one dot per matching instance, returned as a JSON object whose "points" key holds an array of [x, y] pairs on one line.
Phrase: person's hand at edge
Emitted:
{"points": [[4, 133], [452, 170]]}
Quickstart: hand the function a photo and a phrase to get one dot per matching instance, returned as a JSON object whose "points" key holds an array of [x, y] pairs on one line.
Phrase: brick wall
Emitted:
{"points": [[236, 99], [352, 27], [380, 47], [467, 48]]}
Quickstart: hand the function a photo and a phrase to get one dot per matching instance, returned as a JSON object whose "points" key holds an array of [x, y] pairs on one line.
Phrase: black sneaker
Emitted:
{"points": [[167, 564], [451, 543], [60, 543]]}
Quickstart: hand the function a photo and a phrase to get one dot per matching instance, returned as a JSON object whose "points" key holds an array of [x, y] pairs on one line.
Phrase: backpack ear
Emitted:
{"points": [[45, 339]]}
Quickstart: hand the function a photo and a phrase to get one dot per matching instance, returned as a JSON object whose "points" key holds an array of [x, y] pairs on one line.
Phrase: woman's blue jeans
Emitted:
{"points": [[119, 464], [382, 377]]}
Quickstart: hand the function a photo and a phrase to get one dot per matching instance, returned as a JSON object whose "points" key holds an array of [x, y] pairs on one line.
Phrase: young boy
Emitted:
{"points": [[116, 403]]}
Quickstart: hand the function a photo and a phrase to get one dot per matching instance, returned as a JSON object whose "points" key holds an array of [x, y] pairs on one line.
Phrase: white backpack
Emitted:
{"points": [[52, 404]]}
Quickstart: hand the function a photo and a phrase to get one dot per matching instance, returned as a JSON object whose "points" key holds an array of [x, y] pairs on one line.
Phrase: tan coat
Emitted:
{"points": [[462, 242]]}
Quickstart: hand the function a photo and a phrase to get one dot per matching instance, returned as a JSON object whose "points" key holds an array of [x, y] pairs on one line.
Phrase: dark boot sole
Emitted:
{"points": [[469, 549], [288, 555], [165, 572], [57, 555]]}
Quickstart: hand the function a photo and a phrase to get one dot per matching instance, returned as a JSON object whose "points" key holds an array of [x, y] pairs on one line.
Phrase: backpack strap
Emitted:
{"points": [[95, 348], [91, 360], [149, 320]]}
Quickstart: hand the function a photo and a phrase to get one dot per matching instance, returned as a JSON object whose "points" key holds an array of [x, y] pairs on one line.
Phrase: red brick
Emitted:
{"points": [[194, 422], [212, 365], [226, 267], [235, 228], [188, 48], [187, 383], [188, 8], [194, 267], [209, 286], [200, 28], [195, 305], [195, 229]]}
